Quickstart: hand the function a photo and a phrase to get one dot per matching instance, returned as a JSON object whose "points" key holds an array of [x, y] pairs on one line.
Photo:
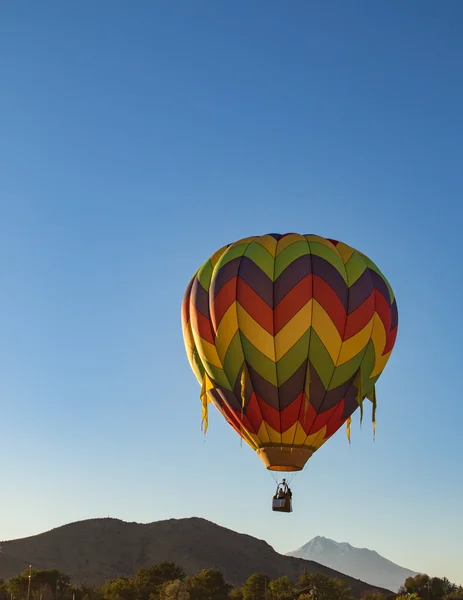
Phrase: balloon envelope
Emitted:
{"points": [[287, 334]]}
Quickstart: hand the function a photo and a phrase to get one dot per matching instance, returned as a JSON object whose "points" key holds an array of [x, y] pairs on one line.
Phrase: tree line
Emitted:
{"points": [[168, 581]]}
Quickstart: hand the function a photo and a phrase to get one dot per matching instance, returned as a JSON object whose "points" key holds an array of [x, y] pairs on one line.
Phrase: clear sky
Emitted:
{"points": [[139, 137]]}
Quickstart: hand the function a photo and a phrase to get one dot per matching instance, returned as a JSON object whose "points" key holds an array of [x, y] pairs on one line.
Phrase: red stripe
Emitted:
{"points": [[270, 415], [336, 419], [361, 316], [239, 421], [383, 310], [290, 415], [253, 304], [312, 421], [223, 301], [230, 417], [324, 294], [292, 303], [390, 340], [201, 325], [253, 414], [280, 421]]}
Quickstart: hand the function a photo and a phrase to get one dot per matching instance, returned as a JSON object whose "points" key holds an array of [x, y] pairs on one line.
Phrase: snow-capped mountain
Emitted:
{"points": [[360, 563]]}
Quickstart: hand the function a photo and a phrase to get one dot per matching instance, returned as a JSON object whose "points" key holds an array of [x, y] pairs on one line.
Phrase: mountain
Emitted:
{"points": [[361, 563], [95, 550]]}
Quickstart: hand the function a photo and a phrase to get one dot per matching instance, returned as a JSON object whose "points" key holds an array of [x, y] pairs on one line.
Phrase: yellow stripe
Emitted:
{"points": [[283, 243], [295, 435], [227, 328], [273, 436], [326, 331], [207, 351], [262, 434], [320, 240], [253, 441], [258, 337], [269, 243], [246, 240], [216, 256], [190, 346], [345, 251], [250, 438], [188, 334], [317, 439], [378, 337], [294, 330], [355, 344]]}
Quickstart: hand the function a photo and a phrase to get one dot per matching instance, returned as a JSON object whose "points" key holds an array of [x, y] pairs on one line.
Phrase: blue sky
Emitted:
{"points": [[137, 138]]}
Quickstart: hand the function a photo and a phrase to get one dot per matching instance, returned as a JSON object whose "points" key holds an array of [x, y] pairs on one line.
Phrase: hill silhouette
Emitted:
{"points": [[357, 562], [96, 550]]}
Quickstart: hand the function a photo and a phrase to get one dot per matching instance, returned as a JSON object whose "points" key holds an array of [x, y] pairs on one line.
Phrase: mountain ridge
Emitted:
{"points": [[95, 550], [362, 563]]}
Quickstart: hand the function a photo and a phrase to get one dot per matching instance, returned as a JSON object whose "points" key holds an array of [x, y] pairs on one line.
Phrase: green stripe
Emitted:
{"points": [[288, 255], [259, 362], [355, 267], [197, 362], [217, 375], [370, 384], [234, 359], [329, 255], [261, 257], [347, 370], [320, 359], [230, 254], [373, 267], [205, 275], [293, 359], [368, 362]]}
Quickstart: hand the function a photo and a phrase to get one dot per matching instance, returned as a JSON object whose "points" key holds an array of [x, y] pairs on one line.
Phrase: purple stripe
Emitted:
{"points": [[325, 270], [323, 400], [225, 273], [200, 298], [229, 398], [188, 288], [360, 291], [291, 276], [350, 402], [291, 388], [394, 315], [256, 279], [267, 391], [380, 285]]}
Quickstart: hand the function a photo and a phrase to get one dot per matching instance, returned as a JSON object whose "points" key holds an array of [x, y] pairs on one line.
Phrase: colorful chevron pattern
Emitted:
{"points": [[287, 335]]}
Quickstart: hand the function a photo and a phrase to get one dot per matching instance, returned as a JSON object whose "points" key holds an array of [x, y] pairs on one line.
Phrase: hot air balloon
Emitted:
{"points": [[287, 335]]}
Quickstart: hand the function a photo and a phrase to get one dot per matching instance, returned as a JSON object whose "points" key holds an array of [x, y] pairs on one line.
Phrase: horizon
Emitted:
{"points": [[283, 553], [137, 140]]}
